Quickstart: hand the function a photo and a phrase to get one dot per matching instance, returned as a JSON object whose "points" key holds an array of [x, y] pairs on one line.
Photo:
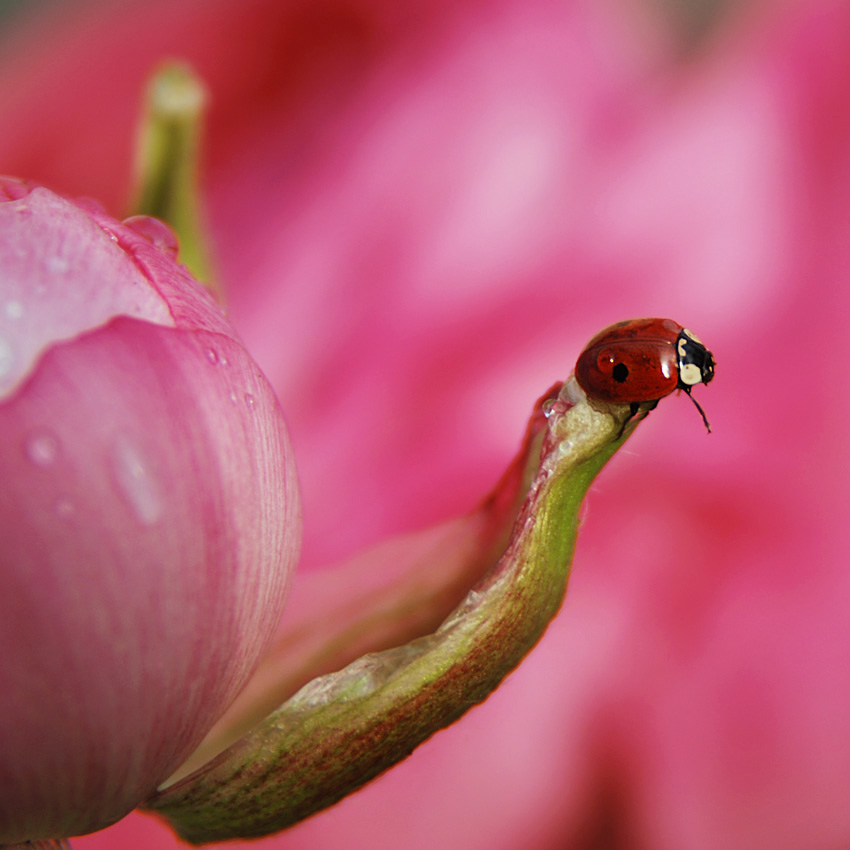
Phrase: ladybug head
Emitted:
{"points": [[696, 366], [695, 361]]}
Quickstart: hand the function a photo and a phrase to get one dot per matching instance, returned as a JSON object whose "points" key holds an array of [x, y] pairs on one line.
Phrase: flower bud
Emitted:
{"points": [[149, 513]]}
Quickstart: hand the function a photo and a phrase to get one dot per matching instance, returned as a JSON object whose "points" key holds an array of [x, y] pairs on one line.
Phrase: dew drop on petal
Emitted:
{"points": [[233, 398], [157, 232], [113, 236], [13, 190], [212, 356], [136, 481], [56, 264], [41, 448], [63, 508], [13, 310], [250, 400], [6, 358]]}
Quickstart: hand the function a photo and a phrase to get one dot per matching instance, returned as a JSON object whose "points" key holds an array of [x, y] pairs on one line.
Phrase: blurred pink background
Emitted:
{"points": [[422, 211]]}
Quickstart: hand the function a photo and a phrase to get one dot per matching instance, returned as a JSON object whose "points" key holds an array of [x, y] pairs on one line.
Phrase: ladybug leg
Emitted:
{"points": [[635, 406], [634, 409]]}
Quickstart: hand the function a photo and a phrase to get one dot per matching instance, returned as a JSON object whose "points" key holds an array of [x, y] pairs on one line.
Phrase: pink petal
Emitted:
{"points": [[56, 260], [150, 523]]}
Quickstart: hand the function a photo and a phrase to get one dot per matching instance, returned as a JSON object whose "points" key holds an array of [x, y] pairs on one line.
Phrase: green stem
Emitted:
{"points": [[343, 729], [167, 162]]}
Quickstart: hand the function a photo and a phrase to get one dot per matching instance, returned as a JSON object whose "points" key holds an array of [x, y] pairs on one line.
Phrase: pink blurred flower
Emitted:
{"points": [[423, 213], [149, 513]]}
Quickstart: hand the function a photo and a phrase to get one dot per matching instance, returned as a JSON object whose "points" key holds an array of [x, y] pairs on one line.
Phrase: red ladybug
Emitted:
{"points": [[644, 360]]}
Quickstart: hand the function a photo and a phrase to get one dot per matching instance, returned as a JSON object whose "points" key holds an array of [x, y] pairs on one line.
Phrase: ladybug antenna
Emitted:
{"points": [[701, 411]]}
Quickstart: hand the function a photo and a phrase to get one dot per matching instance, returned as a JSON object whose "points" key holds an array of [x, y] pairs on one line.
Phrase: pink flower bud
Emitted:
{"points": [[149, 513]]}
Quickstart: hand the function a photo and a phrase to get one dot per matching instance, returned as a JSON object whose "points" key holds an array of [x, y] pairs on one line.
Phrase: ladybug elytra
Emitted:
{"points": [[643, 360]]}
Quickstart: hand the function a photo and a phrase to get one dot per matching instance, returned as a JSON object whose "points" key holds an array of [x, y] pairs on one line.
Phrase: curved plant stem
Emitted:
{"points": [[344, 728]]}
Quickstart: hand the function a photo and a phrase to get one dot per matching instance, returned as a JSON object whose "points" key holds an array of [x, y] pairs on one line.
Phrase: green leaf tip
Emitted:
{"points": [[343, 729]]}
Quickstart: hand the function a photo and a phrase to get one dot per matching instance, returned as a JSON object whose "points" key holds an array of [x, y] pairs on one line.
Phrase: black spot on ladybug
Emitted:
{"points": [[620, 373]]}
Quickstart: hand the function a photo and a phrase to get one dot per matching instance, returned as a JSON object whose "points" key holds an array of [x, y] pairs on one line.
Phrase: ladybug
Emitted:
{"points": [[642, 360]]}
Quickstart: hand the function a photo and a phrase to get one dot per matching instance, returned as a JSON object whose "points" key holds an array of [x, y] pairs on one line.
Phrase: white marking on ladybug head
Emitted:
{"points": [[690, 374]]}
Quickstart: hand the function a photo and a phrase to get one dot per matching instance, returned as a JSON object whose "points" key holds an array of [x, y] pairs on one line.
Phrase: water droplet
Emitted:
{"points": [[113, 236], [64, 508], [13, 310], [212, 356], [223, 360], [57, 264], [548, 407], [250, 400], [157, 232], [42, 448], [136, 481], [234, 398], [6, 357], [14, 189]]}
